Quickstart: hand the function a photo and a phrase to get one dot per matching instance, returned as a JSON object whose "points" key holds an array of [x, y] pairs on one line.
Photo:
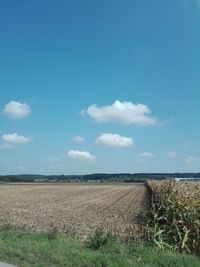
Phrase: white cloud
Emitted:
{"points": [[80, 155], [171, 154], [147, 154], [114, 140], [10, 140], [16, 110], [78, 139], [6, 146], [190, 160], [122, 112]]}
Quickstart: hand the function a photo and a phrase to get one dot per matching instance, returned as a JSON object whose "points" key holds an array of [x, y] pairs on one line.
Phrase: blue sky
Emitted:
{"points": [[99, 86]]}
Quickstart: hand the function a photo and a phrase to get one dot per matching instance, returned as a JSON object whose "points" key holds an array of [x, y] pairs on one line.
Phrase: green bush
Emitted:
{"points": [[52, 234], [98, 239]]}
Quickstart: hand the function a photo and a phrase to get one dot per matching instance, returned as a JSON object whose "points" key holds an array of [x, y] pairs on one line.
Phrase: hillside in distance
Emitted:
{"points": [[97, 177]]}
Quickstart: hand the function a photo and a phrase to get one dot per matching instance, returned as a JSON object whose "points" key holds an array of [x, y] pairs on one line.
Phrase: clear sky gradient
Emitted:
{"points": [[99, 86]]}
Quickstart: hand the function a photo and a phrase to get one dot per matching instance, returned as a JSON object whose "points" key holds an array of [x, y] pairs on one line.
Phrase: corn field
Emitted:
{"points": [[175, 216]]}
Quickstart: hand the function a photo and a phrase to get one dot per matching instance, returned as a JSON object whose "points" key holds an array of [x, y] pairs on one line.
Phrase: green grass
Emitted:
{"points": [[52, 249]]}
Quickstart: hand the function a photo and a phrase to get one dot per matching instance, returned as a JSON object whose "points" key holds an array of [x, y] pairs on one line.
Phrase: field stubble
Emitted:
{"points": [[79, 208]]}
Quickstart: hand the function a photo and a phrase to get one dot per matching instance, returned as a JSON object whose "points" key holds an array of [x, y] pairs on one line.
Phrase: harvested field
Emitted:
{"points": [[119, 208]]}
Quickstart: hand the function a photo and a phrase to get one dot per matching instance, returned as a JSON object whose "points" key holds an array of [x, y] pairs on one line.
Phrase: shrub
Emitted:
{"points": [[52, 234], [98, 239]]}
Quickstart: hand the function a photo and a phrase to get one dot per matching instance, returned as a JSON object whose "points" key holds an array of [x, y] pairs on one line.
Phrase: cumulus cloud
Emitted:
{"points": [[114, 140], [80, 155], [122, 112], [78, 139], [6, 146], [11, 140], [171, 154], [15, 138], [16, 110], [147, 154], [190, 160]]}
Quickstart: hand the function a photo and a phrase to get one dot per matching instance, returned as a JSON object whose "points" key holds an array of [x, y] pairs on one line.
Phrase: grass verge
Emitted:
{"points": [[26, 249]]}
